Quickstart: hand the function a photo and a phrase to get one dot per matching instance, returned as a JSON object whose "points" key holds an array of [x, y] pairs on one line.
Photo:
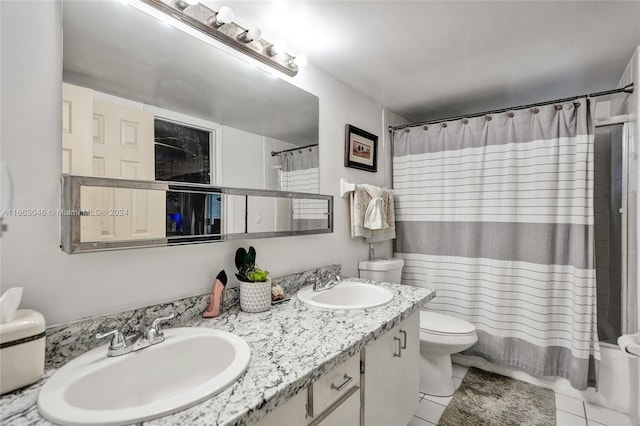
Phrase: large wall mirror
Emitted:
{"points": [[142, 100]]}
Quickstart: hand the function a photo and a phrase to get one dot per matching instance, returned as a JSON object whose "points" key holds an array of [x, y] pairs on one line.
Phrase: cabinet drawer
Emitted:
{"points": [[334, 384]]}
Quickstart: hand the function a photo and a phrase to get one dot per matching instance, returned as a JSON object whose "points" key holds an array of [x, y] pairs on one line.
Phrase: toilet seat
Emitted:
{"points": [[444, 325]]}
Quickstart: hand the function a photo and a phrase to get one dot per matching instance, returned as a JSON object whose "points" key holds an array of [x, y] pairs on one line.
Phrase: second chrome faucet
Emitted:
{"points": [[317, 286], [145, 337]]}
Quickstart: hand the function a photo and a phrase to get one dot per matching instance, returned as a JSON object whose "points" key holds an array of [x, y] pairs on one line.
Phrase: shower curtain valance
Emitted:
{"points": [[496, 214]]}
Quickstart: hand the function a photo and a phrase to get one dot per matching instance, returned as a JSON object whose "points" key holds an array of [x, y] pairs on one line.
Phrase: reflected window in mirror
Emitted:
{"points": [[182, 152]]}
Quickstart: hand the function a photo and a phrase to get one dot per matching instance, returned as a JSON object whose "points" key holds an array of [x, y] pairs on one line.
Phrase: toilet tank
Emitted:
{"points": [[387, 270]]}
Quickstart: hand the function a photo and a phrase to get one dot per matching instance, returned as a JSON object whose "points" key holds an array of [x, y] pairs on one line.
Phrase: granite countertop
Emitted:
{"points": [[292, 345]]}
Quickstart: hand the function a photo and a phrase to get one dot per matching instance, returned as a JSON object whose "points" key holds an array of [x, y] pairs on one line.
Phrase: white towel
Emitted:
{"points": [[375, 215], [360, 201]]}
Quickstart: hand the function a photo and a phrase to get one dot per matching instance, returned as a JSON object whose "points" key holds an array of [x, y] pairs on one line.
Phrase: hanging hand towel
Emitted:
{"points": [[375, 215], [360, 200]]}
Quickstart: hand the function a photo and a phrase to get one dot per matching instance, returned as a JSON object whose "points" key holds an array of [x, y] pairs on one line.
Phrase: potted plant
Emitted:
{"points": [[255, 284]]}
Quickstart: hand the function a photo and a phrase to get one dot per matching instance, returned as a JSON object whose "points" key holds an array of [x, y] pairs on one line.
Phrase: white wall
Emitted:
{"points": [[67, 287], [242, 159]]}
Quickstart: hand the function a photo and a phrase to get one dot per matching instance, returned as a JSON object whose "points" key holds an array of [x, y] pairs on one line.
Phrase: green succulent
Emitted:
{"points": [[258, 275], [248, 271]]}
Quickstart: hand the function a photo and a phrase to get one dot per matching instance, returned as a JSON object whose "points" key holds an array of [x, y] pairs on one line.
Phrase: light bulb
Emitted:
{"points": [[300, 61], [249, 35], [223, 16], [277, 48]]}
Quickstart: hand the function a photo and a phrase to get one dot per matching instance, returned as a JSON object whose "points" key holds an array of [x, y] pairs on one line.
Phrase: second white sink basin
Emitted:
{"points": [[347, 295], [190, 366]]}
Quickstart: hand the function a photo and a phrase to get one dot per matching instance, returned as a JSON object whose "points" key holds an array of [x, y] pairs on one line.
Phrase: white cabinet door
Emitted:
{"points": [[291, 413], [392, 375]]}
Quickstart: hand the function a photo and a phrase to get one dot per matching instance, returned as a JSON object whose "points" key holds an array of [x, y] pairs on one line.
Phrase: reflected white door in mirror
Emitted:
{"points": [[106, 139]]}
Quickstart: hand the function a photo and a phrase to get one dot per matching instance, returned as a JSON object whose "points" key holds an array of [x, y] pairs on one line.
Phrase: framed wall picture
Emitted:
{"points": [[360, 149]]}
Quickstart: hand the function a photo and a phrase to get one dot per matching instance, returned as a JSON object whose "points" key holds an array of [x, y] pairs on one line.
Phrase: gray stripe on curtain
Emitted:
{"points": [[521, 128], [522, 354], [527, 242]]}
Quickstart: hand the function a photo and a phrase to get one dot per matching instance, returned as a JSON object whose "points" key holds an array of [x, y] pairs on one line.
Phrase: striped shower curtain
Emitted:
{"points": [[300, 173], [496, 214]]}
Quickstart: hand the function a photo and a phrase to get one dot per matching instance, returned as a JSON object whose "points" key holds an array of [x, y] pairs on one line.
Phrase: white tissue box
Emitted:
{"points": [[21, 350]]}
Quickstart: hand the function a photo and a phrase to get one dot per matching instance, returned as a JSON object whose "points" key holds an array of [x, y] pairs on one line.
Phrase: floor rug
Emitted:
{"points": [[488, 399]]}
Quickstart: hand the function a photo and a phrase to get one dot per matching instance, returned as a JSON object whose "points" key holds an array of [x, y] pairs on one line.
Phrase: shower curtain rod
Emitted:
{"points": [[626, 89], [274, 153]]}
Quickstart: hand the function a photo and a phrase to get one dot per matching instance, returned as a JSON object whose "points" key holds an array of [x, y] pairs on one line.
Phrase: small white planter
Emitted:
{"points": [[255, 297]]}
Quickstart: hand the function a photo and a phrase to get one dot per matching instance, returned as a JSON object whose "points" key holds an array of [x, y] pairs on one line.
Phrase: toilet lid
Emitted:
{"points": [[446, 324]]}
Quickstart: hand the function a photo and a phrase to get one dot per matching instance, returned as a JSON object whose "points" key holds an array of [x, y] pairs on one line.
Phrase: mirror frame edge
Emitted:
{"points": [[70, 231]]}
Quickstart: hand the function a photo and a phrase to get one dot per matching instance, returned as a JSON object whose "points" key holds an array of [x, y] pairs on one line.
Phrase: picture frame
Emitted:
{"points": [[360, 149]]}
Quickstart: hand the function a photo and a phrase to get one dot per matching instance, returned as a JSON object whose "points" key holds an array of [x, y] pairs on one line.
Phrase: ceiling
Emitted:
{"points": [[432, 59]]}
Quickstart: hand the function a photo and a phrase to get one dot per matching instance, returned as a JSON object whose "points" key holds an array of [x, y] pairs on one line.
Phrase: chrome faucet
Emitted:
{"points": [[145, 337], [326, 286]]}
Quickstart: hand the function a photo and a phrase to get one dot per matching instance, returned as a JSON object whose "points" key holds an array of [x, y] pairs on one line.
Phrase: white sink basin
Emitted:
{"points": [[347, 295], [190, 366]]}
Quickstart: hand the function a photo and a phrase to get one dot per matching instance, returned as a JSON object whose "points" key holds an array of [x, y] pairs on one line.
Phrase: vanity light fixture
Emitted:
{"points": [[219, 25], [223, 16], [183, 4], [277, 48], [249, 35]]}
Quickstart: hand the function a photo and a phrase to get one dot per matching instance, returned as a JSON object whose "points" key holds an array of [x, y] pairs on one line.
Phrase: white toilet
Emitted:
{"points": [[440, 335]]}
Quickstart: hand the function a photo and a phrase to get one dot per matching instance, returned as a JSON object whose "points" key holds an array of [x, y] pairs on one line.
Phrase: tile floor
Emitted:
{"points": [[569, 411]]}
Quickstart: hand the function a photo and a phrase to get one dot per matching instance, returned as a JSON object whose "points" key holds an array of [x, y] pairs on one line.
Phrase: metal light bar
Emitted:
{"points": [[197, 16]]}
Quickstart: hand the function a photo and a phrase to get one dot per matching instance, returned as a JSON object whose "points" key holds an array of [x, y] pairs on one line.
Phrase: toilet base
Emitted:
{"points": [[436, 374]]}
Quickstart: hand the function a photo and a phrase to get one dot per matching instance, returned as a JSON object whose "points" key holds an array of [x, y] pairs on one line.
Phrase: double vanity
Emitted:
{"points": [[317, 359]]}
